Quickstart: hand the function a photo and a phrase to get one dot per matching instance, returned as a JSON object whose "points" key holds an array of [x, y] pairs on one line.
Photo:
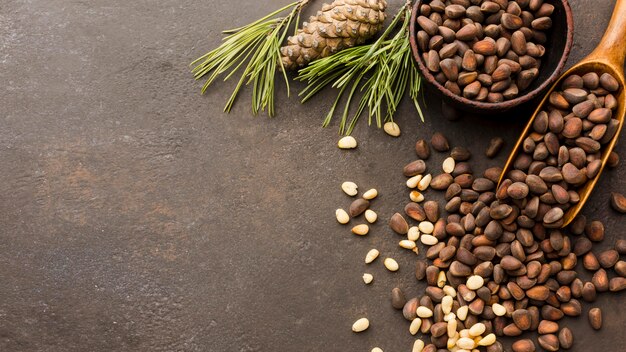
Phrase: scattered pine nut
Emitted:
{"points": [[418, 346], [416, 196], [370, 194], [361, 325], [448, 165], [413, 234], [424, 182], [342, 216], [424, 312], [371, 255], [368, 278], [350, 188], [391, 264], [406, 244], [371, 216], [414, 181], [415, 326], [347, 142], [392, 129], [361, 229]]}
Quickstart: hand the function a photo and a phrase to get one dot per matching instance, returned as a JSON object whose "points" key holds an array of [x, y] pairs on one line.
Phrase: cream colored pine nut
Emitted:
{"points": [[371, 255], [342, 216]]}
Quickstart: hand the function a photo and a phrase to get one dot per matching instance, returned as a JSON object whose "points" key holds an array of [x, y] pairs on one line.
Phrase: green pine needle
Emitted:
{"points": [[256, 48], [382, 70]]}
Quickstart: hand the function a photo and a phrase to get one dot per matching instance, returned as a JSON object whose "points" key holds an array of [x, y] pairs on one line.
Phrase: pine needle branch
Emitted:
{"points": [[383, 70], [254, 47]]}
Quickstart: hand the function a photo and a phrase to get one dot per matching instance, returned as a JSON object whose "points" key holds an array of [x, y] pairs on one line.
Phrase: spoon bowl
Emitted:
{"points": [[608, 57]]}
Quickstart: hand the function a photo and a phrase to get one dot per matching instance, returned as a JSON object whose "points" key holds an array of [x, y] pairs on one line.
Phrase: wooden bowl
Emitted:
{"points": [[558, 46]]}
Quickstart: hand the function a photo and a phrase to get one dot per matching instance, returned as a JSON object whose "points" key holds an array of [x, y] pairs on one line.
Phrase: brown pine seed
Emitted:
{"points": [[542, 23], [450, 69], [485, 47], [618, 202], [358, 207], [553, 215], [453, 87], [448, 51], [620, 246], [431, 208], [538, 293], [597, 132], [525, 345], [518, 190], [560, 194], [582, 246], [557, 100], [427, 25], [398, 300], [518, 43], [549, 312], [588, 145], [432, 62], [590, 262], [501, 86], [441, 182], [591, 80], [609, 82], [466, 78], [526, 77], [566, 338], [602, 115], [589, 292], [577, 288], [399, 224], [420, 269], [555, 122], [439, 142], [521, 318], [495, 145], [447, 34], [617, 284], [511, 22], [610, 102], [608, 258], [489, 7], [422, 150], [502, 46], [595, 318], [575, 95], [414, 168], [547, 327], [572, 81], [600, 280], [573, 175], [510, 263], [583, 109], [472, 90], [469, 60], [595, 231], [549, 342], [611, 130], [409, 311], [467, 32], [511, 92], [415, 211], [613, 160]]}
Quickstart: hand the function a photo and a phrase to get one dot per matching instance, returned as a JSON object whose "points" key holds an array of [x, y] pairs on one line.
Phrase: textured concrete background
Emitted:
{"points": [[136, 216]]}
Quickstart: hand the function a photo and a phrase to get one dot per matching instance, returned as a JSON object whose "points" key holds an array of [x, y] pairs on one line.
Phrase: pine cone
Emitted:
{"points": [[340, 25]]}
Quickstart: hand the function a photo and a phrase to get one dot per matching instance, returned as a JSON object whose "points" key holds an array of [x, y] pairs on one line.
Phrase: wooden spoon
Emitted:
{"points": [[608, 57]]}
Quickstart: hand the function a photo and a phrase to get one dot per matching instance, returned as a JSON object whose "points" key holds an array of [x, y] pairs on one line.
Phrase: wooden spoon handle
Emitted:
{"points": [[612, 47]]}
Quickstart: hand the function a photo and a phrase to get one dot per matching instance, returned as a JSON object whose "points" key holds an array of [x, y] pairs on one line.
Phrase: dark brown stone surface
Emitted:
{"points": [[136, 216]]}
